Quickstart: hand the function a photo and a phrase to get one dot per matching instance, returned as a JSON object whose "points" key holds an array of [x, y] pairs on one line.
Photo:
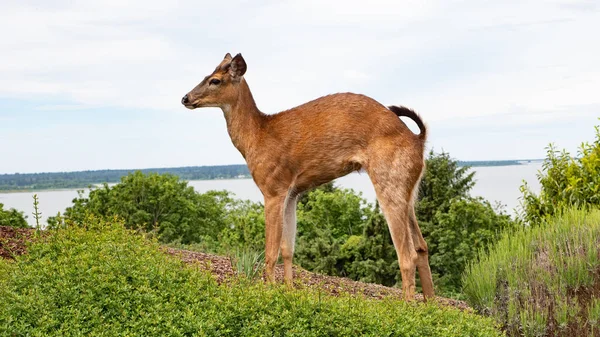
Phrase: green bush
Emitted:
{"points": [[327, 217], [12, 218], [566, 182], [103, 280], [371, 257], [542, 281], [161, 204], [245, 227]]}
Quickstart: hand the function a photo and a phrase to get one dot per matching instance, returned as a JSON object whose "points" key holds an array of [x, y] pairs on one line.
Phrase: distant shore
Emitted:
{"points": [[60, 181]]}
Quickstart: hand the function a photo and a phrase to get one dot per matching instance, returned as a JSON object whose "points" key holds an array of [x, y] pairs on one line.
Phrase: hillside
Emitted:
{"points": [[104, 280], [13, 242]]}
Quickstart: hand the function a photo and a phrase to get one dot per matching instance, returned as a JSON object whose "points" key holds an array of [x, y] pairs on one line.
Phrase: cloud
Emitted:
{"points": [[468, 61]]}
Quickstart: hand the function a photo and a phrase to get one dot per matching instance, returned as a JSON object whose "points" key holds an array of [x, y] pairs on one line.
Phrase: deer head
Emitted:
{"points": [[219, 88]]}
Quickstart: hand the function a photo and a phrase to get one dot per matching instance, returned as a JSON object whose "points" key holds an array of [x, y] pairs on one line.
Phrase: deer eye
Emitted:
{"points": [[215, 81]]}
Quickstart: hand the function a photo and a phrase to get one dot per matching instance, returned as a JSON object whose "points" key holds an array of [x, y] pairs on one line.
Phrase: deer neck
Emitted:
{"points": [[243, 119]]}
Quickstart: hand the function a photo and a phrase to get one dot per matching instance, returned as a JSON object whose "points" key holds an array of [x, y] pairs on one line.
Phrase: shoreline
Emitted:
{"points": [[58, 189], [96, 184]]}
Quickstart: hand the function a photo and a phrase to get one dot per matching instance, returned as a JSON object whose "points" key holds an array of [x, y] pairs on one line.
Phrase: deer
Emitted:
{"points": [[293, 151]]}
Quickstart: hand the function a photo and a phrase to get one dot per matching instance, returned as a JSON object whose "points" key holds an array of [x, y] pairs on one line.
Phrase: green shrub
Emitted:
{"points": [[245, 227], [543, 280], [102, 280], [162, 204], [12, 218], [327, 217], [566, 182], [371, 257]]}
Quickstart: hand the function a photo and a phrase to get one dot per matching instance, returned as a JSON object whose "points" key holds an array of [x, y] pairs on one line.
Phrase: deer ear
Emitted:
{"points": [[227, 57], [237, 68]]}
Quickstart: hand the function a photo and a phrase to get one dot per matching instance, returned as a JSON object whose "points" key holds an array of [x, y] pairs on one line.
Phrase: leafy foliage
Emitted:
{"points": [[12, 218], [566, 182], [61, 288], [542, 279]]}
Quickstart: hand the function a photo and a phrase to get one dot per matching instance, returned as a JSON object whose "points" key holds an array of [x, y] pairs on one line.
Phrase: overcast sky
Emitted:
{"points": [[97, 84]]}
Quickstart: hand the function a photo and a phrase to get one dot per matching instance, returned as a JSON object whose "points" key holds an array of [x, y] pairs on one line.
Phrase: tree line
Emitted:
{"points": [[82, 179]]}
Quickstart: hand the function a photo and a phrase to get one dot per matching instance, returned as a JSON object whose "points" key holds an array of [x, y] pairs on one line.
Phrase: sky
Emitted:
{"points": [[88, 85]]}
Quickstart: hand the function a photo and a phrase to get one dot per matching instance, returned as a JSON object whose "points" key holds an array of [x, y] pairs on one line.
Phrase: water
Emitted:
{"points": [[499, 183]]}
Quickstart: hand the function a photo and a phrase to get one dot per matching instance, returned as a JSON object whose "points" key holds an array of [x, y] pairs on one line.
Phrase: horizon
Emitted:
{"points": [[239, 164], [90, 85]]}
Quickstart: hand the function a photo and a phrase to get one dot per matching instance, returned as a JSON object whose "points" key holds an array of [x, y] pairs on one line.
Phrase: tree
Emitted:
{"points": [[442, 181], [12, 218], [455, 225]]}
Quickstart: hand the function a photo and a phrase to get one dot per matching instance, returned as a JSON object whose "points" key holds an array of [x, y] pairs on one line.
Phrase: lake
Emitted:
{"points": [[494, 183]]}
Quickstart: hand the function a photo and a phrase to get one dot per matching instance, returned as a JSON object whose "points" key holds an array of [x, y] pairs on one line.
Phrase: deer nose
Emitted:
{"points": [[185, 100]]}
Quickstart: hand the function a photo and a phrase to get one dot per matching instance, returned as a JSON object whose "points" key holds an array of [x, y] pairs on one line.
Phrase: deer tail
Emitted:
{"points": [[406, 112]]}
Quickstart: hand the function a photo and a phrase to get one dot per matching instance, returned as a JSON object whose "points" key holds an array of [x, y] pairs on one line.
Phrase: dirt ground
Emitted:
{"points": [[12, 241], [221, 268]]}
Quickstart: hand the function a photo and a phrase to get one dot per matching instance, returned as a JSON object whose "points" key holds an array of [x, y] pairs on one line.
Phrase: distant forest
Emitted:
{"points": [[83, 179]]}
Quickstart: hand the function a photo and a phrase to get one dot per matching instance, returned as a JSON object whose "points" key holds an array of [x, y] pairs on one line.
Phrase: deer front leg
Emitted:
{"points": [[289, 236], [273, 229]]}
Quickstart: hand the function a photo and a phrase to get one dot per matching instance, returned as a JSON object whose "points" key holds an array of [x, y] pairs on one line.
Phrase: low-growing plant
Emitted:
{"points": [[594, 316], [247, 263], [37, 215], [542, 281], [100, 279]]}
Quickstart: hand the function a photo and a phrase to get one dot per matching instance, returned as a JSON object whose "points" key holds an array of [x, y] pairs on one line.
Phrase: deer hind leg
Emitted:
{"points": [[273, 231], [289, 236], [395, 177], [422, 255]]}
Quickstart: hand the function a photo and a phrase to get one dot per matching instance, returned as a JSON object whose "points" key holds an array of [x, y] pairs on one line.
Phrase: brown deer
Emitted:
{"points": [[295, 150]]}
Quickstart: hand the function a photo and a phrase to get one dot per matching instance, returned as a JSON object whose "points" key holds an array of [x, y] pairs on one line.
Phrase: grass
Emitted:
{"points": [[104, 280], [248, 263], [542, 281]]}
